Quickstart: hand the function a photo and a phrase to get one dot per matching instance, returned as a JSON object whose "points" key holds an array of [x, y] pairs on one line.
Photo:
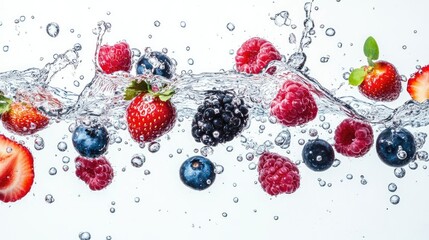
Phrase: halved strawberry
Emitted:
{"points": [[21, 118], [418, 85], [16, 170]]}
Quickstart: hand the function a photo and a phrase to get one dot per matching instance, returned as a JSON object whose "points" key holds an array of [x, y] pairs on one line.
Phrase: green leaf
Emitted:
{"points": [[4, 104], [357, 76], [135, 88], [166, 95], [370, 48]]}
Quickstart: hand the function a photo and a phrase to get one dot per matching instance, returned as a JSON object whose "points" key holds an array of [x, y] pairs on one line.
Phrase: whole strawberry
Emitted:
{"points": [[379, 81], [150, 114], [115, 58], [21, 118]]}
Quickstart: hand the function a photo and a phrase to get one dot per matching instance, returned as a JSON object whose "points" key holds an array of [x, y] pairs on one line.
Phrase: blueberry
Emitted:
{"points": [[157, 63], [90, 141], [318, 155], [396, 146], [197, 172]]}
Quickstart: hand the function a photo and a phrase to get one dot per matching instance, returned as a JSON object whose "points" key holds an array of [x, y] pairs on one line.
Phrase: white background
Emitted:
{"points": [[169, 210]]}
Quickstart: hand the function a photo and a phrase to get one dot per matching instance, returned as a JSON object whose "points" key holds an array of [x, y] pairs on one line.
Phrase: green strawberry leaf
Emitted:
{"points": [[135, 88], [166, 95], [370, 48], [357, 76], [4, 104]]}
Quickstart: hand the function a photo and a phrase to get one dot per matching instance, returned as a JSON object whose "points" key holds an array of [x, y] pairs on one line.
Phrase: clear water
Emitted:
{"points": [[147, 194]]}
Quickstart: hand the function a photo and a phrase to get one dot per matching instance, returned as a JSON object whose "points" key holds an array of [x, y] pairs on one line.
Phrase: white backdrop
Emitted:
{"points": [[166, 208]]}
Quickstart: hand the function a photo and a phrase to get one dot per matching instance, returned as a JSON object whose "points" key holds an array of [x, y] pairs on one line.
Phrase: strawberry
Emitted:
{"points": [[16, 170], [418, 85], [21, 118], [115, 58], [379, 81], [150, 114]]}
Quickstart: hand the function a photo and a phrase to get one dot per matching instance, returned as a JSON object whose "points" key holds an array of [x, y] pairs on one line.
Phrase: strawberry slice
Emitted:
{"points": [[16, 170], [418, 85]]}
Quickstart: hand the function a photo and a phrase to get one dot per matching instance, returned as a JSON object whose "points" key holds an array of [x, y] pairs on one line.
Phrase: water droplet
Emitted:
{"points": [[218, 169], [330, 32], [157, 23], [191, 61], [324, 59], [137, 160], [229, 148], [239, 158], [363, 181], [339, 44], [392, 187], [276, 218], [281, 18], [250, 156], [252, 166], [399, 172], [84, 236], [39, 143], [65, 168], [292, 38], [206, 151], [66, 159], [224, 214], [326, 125], [112, 210], [183, 24], [52, 171], [301, 141], [394, 199], [136, 199], [76, 83], [283, 139], [230, 26], [404, 47], [346, 76], [336, 163], [235, 199], [154, 147], [5, 48], [313, 132], [53, 29], [413, 165], [322, 183], [146, 172], [422, 156], [49, 198], [62, 146], [349, 176]]}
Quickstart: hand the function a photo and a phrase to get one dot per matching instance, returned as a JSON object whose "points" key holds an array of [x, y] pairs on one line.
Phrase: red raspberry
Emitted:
{"points": [[96, 172], [115, 58], [277, 174], [293, 105], [255, 54], [353, 138]]}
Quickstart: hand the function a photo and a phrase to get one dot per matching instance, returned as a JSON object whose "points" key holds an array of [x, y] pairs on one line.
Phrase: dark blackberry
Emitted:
{"points": [[220, 118]]}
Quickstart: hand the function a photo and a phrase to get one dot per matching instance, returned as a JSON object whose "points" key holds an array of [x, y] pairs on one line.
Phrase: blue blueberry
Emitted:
{"points": [[197, 172], [396, 146], [157, 63], [318, 155], [90, 141]]}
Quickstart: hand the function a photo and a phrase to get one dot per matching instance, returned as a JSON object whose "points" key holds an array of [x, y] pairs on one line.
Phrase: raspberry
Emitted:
{"points": [[255, 54], [96, 172], [115, 58], [353, 138], [220, 118], [277, 174], [293, 105]]}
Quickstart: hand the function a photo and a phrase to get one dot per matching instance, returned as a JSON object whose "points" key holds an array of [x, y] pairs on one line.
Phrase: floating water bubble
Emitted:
{"points": [[322, 183], [276, 218], [39, 143], [422, 156], [235, 199], [349, 176], [392, 187], [182, 24], [112, 210], [292, 38], [154, 147], [84, 236], [346, 76], [136, 199], [157, 23], [394, 199], [224, 214], [230, 26], [252, 166], [301, 141], [404, 47], [5, 48], [413, 165], [53, 29], [52, 171], [250, 156], [313, 132], [65, 168], [138, 160], [218, 169], [146, 172], [326, 125], [191, 61], [66, 159], [330, 32], [206, 151], [399, 172], [283, 139], [108, 238], [76, 83], [336, 163], [324, 59], [229, 148], [281, 18], [62, 146], [239, 158], [49, 198]]}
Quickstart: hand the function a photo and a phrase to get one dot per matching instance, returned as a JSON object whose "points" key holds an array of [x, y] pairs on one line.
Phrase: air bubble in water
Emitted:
{"points": [[349, 176], [252, 166], [230, 26], [330, 32], [218, 169], [422, 156], [392, 187], [191, 61], [154, 147], [324, 59], [49, 198], [66, 159], [250, 156], [336, 163], [5, 48], [53, 29], [292, 38], [138, 160], [183, 24], [224, 214], [283, 139], [394, 199], [281, 18], [84, 236], [157, 23], [62, 146], [235, 199], [413, 165], [39, 143], [399, 172], [52, 171]]}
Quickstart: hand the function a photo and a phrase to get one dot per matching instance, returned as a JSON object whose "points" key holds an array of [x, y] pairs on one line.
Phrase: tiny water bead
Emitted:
{"points": [[399, 172], [53, 29], [282, 18], [157, 23], [52, 171], [39, 143], [66, 159], [182, 24], [84, 236], [230, 26], [5, 48], [62, 146], [138, 160], [252, 166], [392, 187], [330, 32], [235, 199], [394, 199], [49, 198], [154, 147], [283, 139], [349, 176]]}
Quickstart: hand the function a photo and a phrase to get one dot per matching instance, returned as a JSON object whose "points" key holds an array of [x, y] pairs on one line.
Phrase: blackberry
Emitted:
{"points": [[220, 118]]}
